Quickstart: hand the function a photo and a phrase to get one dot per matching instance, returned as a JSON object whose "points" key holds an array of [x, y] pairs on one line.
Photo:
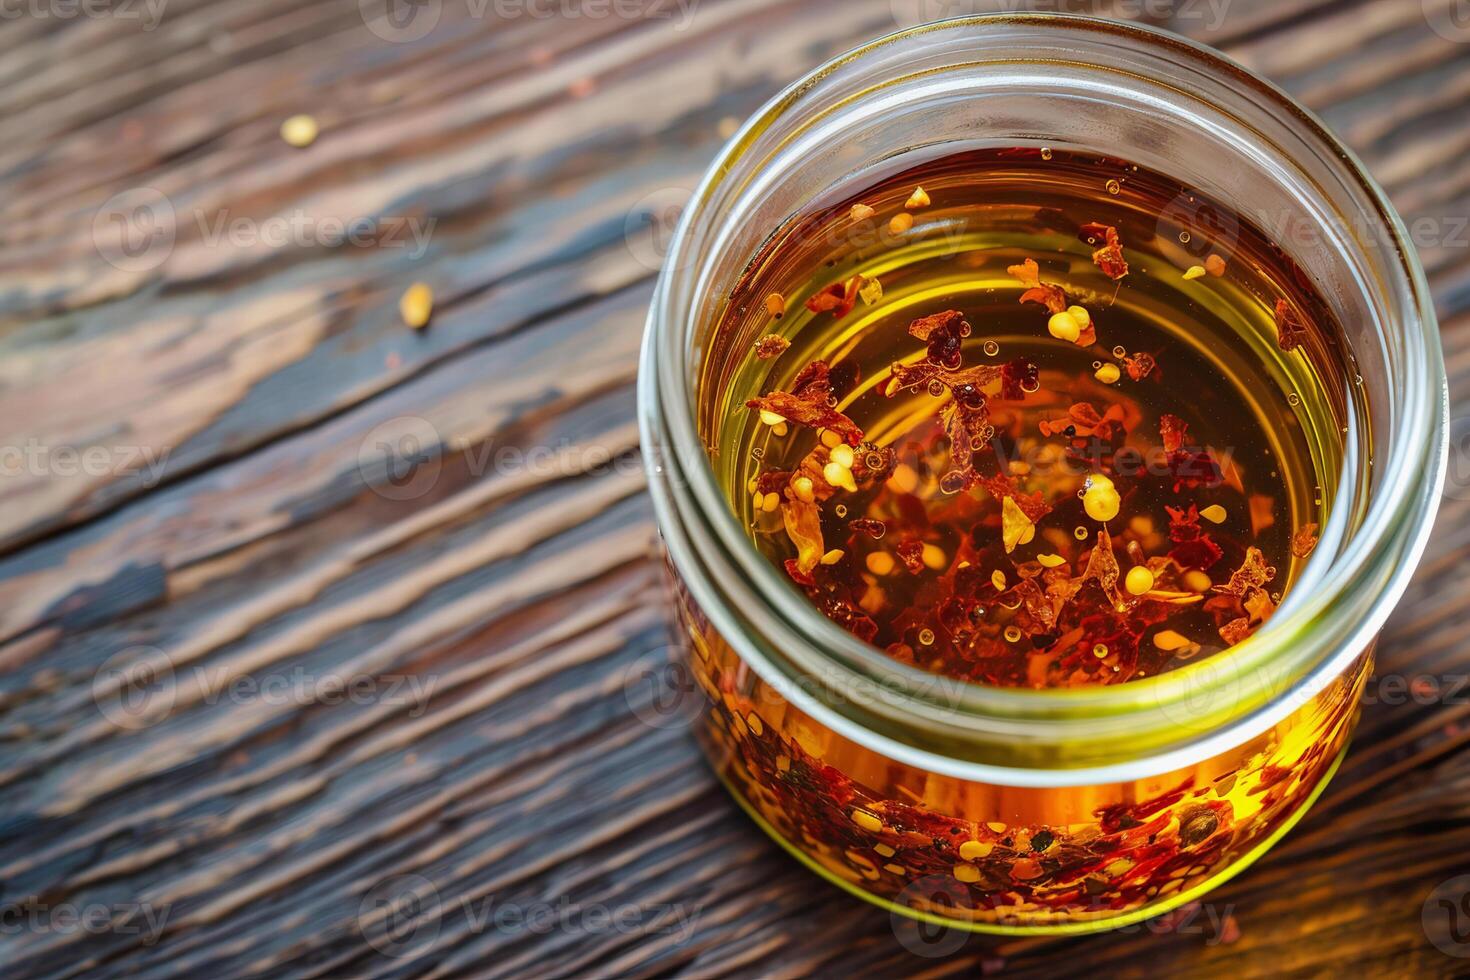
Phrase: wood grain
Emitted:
{"points": [[249, 535]]}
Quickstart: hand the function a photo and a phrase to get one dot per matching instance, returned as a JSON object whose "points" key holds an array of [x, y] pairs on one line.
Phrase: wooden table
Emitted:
{"points": [[232, 474]]}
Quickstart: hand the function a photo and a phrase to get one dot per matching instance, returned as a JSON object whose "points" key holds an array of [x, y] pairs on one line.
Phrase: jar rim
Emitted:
{"points": [[1291, 655]]}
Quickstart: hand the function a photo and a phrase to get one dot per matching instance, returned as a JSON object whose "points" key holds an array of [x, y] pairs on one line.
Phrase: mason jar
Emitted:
{"points": [[1018, 810]]}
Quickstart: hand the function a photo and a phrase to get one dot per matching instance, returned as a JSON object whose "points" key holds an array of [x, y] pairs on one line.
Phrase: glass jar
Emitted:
{"points": [[1041, 811]]}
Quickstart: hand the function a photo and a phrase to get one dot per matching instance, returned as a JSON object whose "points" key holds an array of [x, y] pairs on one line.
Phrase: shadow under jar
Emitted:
{"points": [[1061, 795]]}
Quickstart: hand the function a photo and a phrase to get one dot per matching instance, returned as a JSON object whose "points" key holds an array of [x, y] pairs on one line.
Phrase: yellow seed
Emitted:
{"points": [[966, 872], [998, 579], [756, 725], [416, 304], [1100, 498], [1108, 374], [883, 850], [830, 439], [1064, 326], [996, 827], [783, 763], [1139, 580], [775, 304], [1081, 315], [779, 429], [1168, 640], [934, 557], [1214, 513], [895, 869], [972, 850], [900, 222], [839, 476], [771, 502], [918, 199], [861, 212], [803, 487], [1194, 272], [1197, 581], [842, 456], [871, 291], [757, 499], [905, 478], [1051, 561], [1215, 265], [833, 557], [879, 563], [771, 418], [751, 484], [300, 130], [867, 821]]}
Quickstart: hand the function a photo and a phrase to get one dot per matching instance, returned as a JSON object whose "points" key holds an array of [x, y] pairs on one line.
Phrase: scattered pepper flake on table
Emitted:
{"points": [[300, 130], [416, 305]]}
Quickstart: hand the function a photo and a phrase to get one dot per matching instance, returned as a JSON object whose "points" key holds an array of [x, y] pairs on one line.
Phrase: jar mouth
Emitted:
{"points": [[1313, 637]]}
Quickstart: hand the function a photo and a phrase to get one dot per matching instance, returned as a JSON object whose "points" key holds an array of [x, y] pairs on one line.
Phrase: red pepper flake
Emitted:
{"points": [[803, 520], [1001, 486], [1173, 431], [771, 346], [969, 430], [1304, 541], [911, 552], [1190, 466], [1140, 365], [1049, 295], [1102, 566], [1017, 377], [1253, 573], [1290, 330], [1193, 547], [838, 298], [943, 332], [810, 403], [1108, 258]]}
